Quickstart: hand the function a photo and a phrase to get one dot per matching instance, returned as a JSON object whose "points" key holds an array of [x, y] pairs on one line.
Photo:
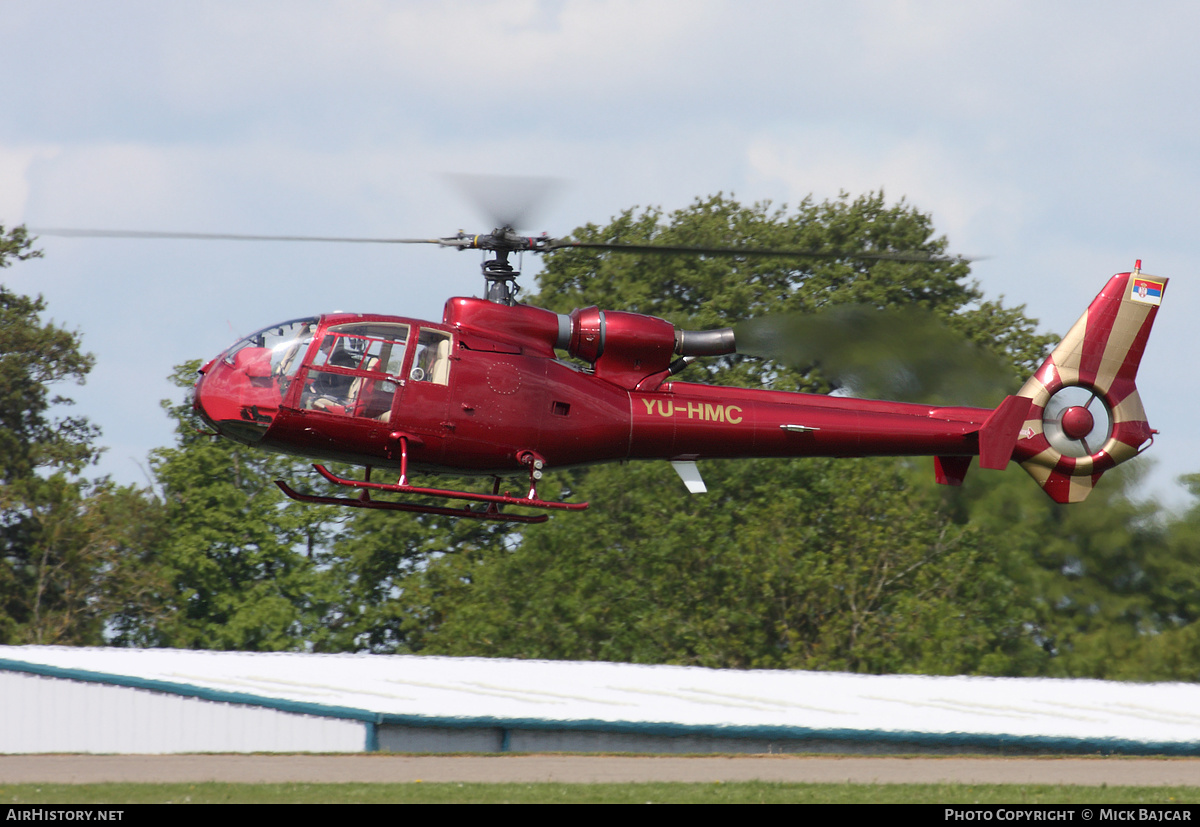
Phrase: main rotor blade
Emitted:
{"points": [[512, 242], [905, 355], [917, 256], [83, 233]]}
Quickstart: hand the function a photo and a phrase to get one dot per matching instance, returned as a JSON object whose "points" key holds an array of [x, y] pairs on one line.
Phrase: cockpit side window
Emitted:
{"points": [[365, 346], [356, 369]]}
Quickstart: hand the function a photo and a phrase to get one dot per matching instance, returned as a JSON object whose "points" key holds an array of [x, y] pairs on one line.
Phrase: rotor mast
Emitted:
{"points": [[499, 276], [500, 279]]}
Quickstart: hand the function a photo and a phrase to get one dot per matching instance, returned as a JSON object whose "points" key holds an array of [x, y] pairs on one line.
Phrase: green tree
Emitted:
{"points": [[59, 559], [813, 565], [124, 529], [784, 563], [714, 291], [379, 562], [33, 358], [1172, 651], [237, 565], [1114, 582], [245, 566], [1168, 643]]}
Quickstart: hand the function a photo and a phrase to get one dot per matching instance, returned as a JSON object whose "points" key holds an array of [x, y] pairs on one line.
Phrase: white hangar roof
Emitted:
{"points": [[164, 700]]}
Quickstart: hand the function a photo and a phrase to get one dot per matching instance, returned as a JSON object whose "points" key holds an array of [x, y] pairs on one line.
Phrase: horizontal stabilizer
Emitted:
{"points": [[999, 433]]}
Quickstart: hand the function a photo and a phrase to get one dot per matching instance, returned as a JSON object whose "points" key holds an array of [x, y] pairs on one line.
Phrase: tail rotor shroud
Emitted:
{"points": [[1085, 415]]}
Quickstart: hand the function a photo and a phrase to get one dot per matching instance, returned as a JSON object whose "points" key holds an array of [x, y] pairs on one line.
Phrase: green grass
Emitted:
{"points": [[747, 792]]}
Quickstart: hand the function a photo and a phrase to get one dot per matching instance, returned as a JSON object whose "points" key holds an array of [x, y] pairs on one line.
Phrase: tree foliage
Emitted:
{"points": [[243, 564], [1113, 583], [61, 537], [821, 564], [814, 565], [847, 564]]}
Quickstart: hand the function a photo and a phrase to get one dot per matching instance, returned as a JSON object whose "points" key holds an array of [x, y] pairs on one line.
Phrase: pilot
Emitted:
{"points": [[334, 387]]}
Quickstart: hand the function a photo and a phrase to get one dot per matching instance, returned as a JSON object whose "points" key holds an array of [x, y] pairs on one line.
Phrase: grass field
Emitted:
{"points": [[749, 792]]}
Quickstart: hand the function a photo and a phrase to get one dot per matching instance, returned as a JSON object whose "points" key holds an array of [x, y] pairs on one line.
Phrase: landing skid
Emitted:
{"points": [[364, 500], [492, 501]]}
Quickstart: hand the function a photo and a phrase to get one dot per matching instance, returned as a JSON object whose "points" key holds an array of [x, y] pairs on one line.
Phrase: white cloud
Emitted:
{"points": [[967, 206], [15, 164]]}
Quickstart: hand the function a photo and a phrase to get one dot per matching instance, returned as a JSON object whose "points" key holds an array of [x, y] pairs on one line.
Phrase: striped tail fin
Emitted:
{"points": [[1085, 415]]}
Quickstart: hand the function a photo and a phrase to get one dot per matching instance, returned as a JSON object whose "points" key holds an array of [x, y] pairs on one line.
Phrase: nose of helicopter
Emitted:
{"points": [[220, 397], [239, 393], [196, 398]]}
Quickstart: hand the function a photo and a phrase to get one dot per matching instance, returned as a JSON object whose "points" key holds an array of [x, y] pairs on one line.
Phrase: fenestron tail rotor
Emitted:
{"points": [[1086, 415], [1077, 422]]}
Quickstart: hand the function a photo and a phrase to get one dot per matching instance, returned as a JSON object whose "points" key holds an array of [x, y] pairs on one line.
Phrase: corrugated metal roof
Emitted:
{"points": [[529, 694]]}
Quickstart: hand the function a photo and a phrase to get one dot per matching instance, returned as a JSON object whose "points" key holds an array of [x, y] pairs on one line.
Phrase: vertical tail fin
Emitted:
{"points": [[1085, 415]]}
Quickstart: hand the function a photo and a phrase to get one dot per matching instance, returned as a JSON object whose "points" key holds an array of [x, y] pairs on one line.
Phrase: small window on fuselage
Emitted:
{"points": [[431, 363]]}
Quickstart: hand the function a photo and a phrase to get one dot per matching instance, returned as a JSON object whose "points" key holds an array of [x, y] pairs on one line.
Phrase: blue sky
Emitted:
{"points": [[1059, 139]]}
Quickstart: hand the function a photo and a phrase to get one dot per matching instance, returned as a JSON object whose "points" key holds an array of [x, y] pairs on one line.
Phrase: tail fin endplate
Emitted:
{"points": [[1085, 415]]}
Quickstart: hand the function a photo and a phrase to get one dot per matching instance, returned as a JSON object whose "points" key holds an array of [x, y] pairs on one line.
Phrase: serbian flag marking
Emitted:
{"points": [[1147, 291]]}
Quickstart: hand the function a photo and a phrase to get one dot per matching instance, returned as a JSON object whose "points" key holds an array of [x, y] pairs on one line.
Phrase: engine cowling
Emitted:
{"points": [[625, 348]]}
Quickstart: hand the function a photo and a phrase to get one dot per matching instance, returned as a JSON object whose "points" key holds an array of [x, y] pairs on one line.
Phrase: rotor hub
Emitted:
{"points": [[1077, 422]]}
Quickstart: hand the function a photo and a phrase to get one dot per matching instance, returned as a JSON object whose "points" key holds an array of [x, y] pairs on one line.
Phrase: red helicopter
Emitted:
{"points": [[484, 392]]}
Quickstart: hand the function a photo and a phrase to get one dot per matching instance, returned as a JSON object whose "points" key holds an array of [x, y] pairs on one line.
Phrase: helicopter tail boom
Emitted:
{"points": [[1085, 415]]}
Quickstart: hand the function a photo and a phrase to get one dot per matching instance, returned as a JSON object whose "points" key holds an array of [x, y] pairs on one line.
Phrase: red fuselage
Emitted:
{"points": [[476, 392]]}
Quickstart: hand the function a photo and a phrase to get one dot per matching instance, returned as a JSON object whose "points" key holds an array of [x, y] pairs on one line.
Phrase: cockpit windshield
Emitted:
{"points": [[278, 349], [355, 369]]}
